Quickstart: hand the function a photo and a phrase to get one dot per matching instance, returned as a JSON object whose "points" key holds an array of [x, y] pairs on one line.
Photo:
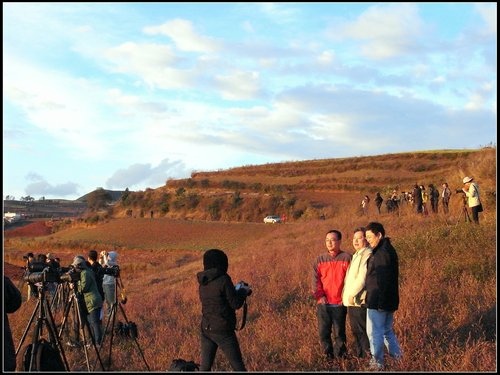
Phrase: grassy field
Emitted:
{"points": [[446, 320]]}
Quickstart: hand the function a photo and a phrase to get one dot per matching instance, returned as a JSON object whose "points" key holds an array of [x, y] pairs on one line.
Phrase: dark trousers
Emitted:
{"points": [[357, 320], [95, 325], [228, 342], [475, 214], [331, 321]]}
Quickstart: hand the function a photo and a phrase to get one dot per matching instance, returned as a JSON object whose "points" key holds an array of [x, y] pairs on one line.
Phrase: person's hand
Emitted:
{"points": [[351, 300], [323, 300]]}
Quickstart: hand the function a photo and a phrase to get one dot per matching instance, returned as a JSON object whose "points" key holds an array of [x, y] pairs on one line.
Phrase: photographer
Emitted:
{"points": [[12, 302], [108, 282], [471, 190], [87, 286], [219, 301]]}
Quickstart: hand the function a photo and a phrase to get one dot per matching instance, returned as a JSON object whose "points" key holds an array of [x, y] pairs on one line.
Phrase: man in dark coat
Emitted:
{"points": [[219, 301], [382, 295], [13, 300]]}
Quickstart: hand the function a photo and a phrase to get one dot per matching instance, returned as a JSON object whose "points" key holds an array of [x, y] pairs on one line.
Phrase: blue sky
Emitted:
{"points": [[129, 95]]}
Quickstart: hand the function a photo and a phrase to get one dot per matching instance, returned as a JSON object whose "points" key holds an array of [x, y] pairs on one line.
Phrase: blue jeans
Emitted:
{"points": [[380, 331], [95, 325]]}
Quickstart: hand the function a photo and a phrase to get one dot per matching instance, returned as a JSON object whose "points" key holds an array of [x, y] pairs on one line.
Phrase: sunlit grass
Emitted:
{"points": [[446, 320]]}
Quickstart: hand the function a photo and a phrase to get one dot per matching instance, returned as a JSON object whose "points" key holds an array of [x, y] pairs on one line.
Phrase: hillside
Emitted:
{"points": [[307, 189]]}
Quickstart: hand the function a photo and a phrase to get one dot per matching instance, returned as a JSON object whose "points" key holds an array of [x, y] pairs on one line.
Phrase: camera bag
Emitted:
{"points": [[180, 365], [47, 357]]}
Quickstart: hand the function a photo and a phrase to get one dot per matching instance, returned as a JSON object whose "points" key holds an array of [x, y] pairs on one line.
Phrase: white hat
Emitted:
{"points": [[467, 179]]}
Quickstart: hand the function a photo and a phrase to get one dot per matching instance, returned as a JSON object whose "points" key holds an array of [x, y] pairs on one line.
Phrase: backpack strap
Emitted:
{"points": [[244, 317]]}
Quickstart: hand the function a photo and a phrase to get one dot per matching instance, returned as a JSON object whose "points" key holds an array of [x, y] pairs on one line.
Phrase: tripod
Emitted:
{"points": [[111, 322], [44, 317], [75, 301], [464, 214]]}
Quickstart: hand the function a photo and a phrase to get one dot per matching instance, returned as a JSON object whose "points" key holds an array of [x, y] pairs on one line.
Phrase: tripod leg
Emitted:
{"points": [[23, 337], [52, 331], [135, 339]]}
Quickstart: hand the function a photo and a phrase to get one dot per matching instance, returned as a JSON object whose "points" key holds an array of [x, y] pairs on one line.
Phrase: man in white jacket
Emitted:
{"points": [[109, 281], [353, 294], [471, 190]]}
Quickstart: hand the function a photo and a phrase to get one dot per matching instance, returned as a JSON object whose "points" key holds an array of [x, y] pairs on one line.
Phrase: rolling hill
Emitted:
{"points": [[307, 189]]}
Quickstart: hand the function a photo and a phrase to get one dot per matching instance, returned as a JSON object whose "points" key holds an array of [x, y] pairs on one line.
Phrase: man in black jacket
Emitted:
{"points": [[382, 295], [219, 301], [13, 300]]}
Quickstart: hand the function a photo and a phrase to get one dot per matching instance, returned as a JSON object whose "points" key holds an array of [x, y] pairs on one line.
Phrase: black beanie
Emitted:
{"points": [[215, 258]]}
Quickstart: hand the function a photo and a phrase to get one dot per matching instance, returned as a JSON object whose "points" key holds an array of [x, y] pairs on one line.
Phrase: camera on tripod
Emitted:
{"points": [[42, 273], [112, 271], [459, 191], [244, 287]]}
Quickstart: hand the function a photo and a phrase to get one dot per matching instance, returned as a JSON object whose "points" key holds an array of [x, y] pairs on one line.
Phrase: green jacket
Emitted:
{"points": [[88, 287]]}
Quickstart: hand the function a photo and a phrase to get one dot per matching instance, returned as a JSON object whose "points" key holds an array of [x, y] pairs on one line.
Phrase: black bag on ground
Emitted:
{"points": [[46, 357], [180, 365]]}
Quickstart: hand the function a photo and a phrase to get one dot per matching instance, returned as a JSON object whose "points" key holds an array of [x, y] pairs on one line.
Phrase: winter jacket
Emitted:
{"points": [[382, 289], [110, 261], [473, 195], [219, 301], [12, 300], [354, 282], [88, 287], [328, 277]]}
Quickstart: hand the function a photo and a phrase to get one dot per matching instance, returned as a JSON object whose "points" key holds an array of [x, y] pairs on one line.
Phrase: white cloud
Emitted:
{"points": [[184, 36], [279, 12], [58, 104], [40, 187], [326, 57], [138, 174], [238, 85], [153, 63], [385, 31], [489, 14]]}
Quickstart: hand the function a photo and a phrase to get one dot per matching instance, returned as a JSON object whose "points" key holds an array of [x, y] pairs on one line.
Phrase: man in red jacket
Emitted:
{"points": [[329, 271]]}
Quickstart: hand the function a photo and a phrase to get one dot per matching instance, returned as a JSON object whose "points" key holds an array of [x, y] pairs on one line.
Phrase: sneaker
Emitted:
{"points": [[374, 366]]}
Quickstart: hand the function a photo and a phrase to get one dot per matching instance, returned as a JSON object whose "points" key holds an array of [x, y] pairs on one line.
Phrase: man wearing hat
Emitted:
{"points": [[87, 286], [471, 190]]}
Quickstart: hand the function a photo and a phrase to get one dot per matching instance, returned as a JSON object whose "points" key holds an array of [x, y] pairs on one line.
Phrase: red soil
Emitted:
{"points": [[32, 229]]}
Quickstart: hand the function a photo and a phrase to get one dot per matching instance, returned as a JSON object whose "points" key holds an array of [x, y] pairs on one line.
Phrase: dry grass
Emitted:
{"points": [[446, 320]]}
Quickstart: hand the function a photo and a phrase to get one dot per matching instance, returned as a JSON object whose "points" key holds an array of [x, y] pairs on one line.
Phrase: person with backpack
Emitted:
{"points": [[219, 302]]}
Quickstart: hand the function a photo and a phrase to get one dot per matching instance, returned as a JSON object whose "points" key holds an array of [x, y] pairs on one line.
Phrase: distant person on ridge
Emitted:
{"points": [[417, 198], [329, 270], [378, 201], [364, 204], [445, 197], [434, 197]]}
